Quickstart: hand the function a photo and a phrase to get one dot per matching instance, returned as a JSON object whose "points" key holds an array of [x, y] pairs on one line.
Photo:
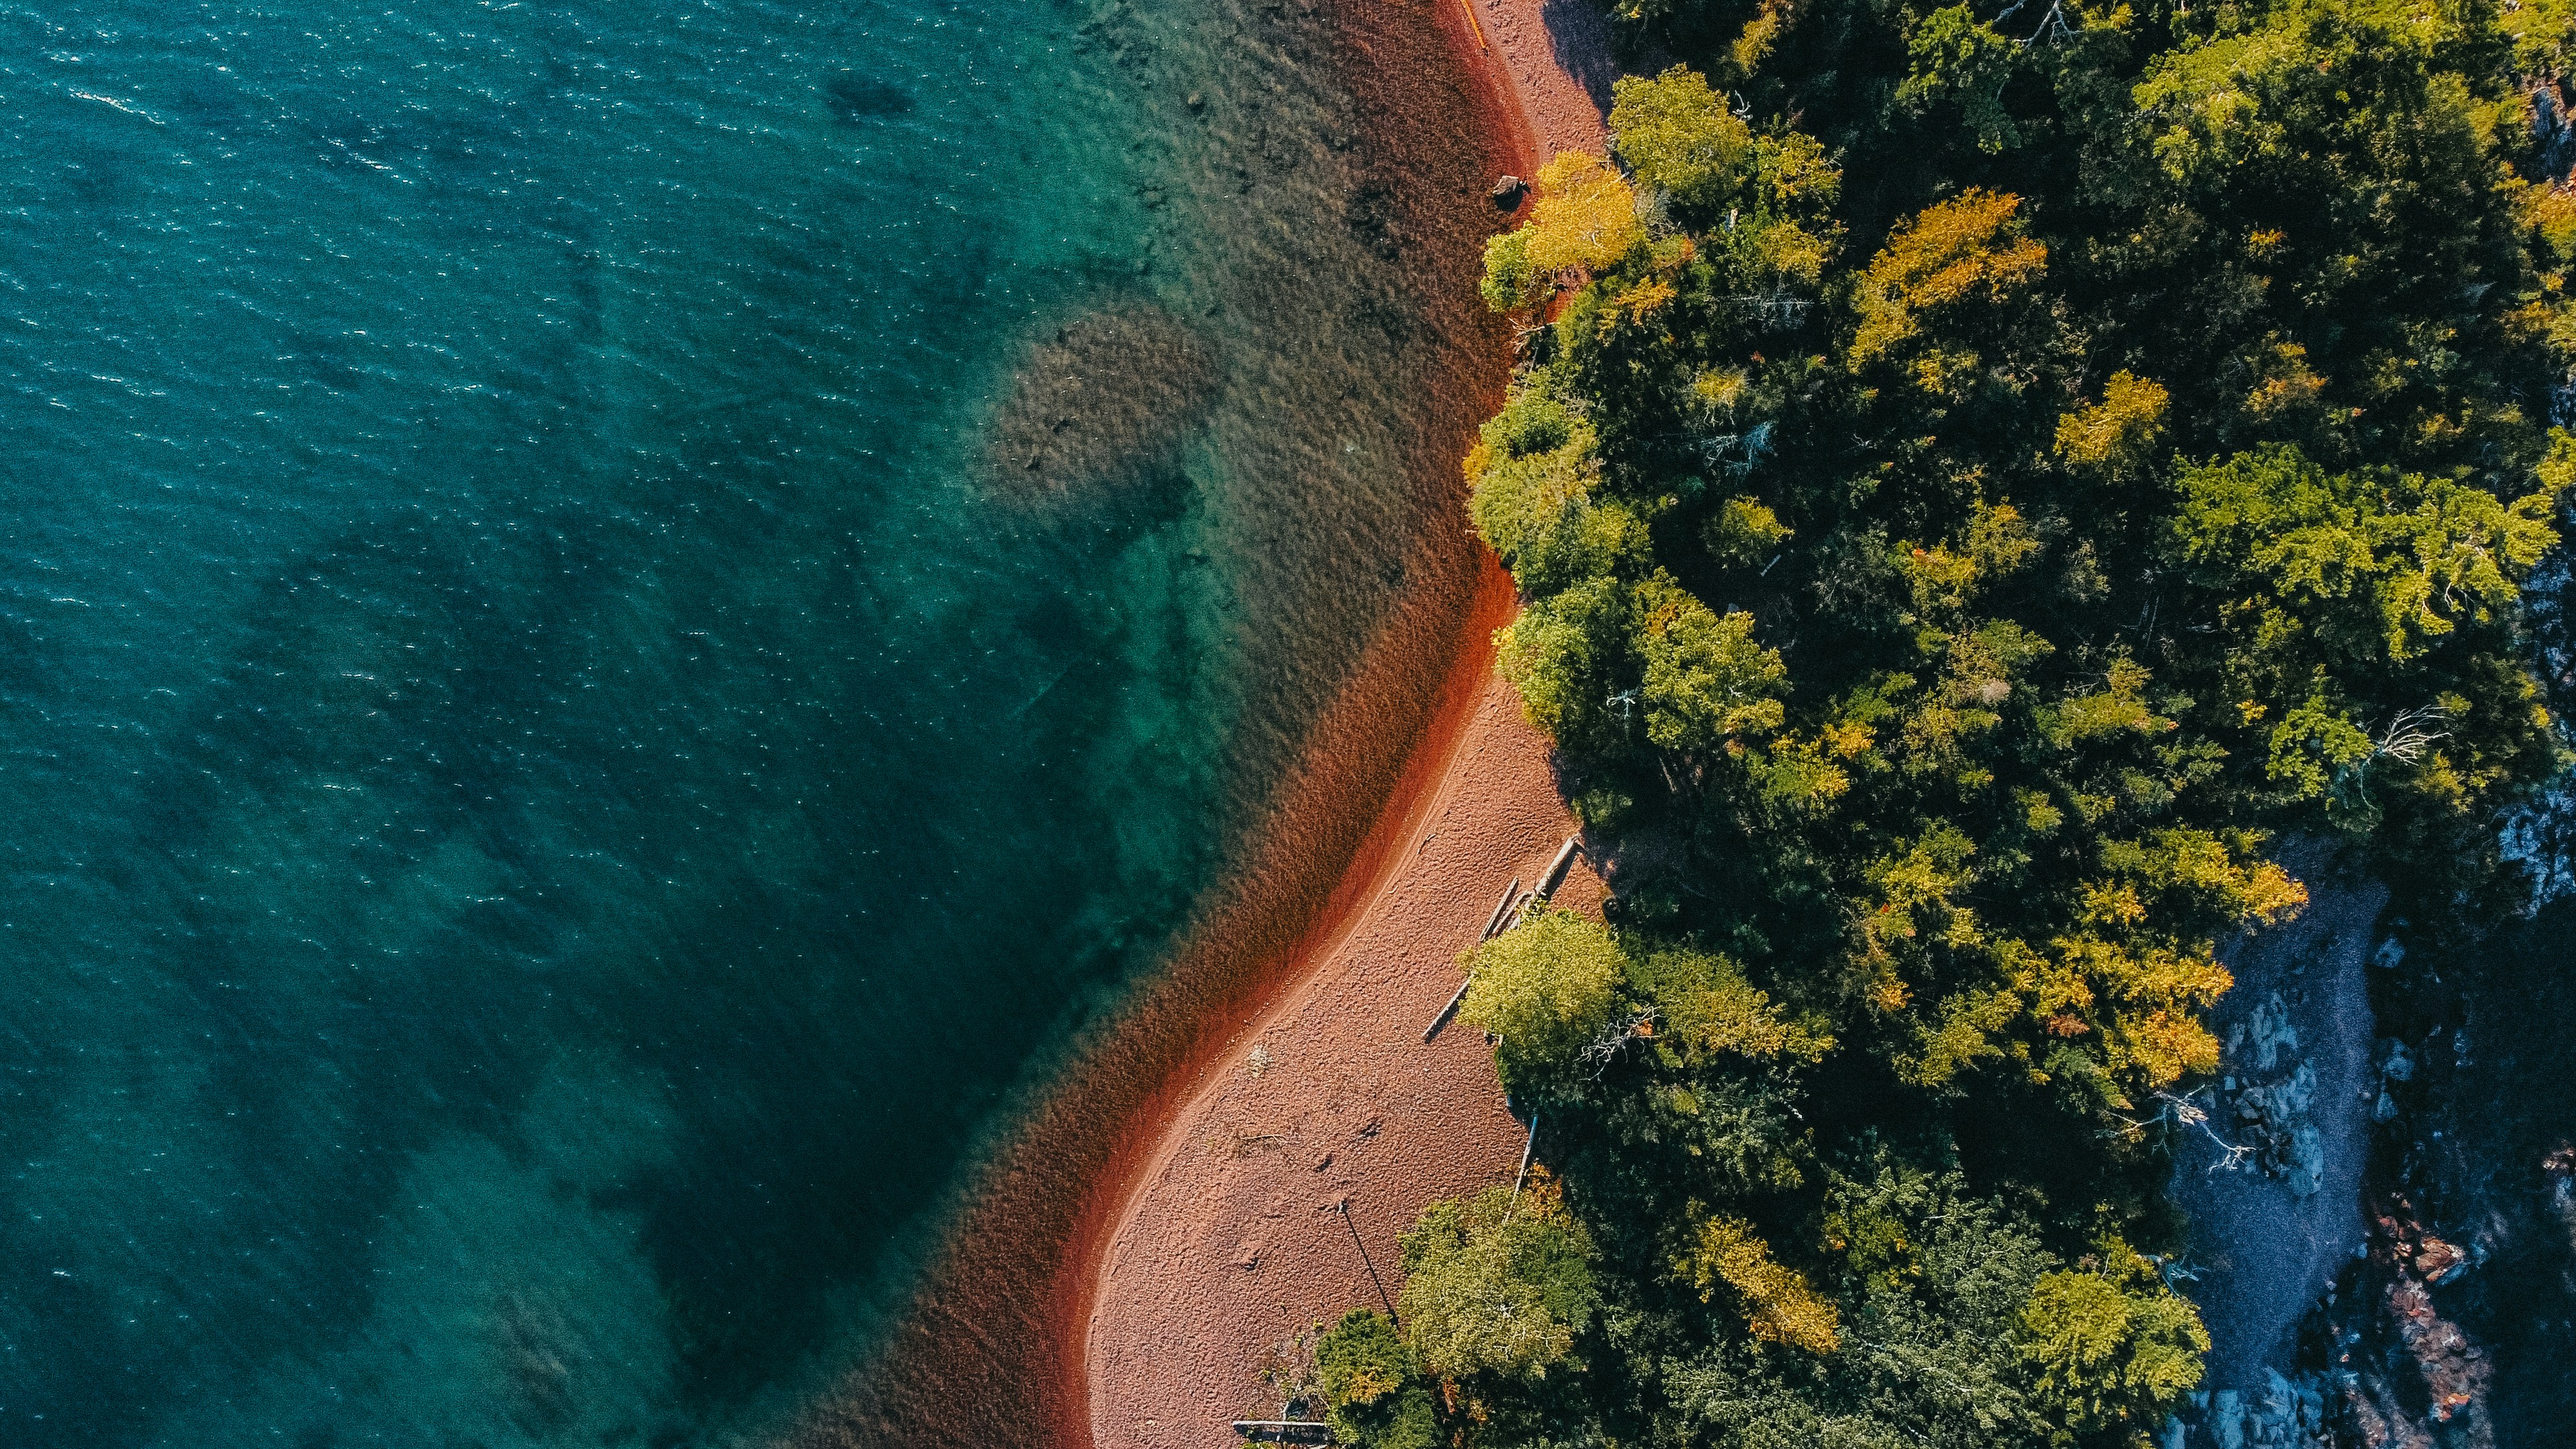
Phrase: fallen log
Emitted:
{"points": [[1494, 922], [1451, 1009], [1285, 1431], [1556, 868], [1526, 1148]]}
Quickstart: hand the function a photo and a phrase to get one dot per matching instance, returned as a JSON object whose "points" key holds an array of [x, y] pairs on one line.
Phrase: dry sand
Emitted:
{"points": [[1232, 1245], [1552, 60], [1229, 1243]]}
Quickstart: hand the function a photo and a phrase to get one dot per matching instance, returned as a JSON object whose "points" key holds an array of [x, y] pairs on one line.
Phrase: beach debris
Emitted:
{"points": [[1555, 875], [1606, 1044], [1448, 1009], [1509, 191], [1526, 1149], [1260, 1060], [1475, 27], [2185, 1111], [1493, 927], [1284, 1431]]}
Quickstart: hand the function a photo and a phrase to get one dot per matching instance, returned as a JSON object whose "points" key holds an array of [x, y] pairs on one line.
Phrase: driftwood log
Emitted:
{"points": [[1285, 1431]]}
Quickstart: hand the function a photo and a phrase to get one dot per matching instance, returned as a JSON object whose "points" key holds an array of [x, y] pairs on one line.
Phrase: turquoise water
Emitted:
{"points": [[556, 761]]}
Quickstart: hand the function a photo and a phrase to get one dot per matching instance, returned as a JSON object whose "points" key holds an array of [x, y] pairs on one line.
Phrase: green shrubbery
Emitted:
{"points": [[1497, 1284], [1374, 1392]]}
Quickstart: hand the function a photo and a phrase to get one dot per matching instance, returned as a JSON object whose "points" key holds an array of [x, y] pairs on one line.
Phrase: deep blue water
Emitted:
{"points": [[549, 781]]}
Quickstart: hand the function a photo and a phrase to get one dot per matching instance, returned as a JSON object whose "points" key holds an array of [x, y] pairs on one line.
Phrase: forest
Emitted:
{"points": [[1978, 480]]}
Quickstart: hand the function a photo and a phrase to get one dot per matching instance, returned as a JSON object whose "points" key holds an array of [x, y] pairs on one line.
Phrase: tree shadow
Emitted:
{"points": [[1585, 43]]}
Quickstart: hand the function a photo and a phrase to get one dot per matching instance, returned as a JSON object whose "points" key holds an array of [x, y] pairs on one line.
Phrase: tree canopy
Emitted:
{"points": [[1977, 477]]}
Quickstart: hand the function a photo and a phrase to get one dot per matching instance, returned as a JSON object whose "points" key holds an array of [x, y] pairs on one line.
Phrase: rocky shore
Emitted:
{"points": [[2270, 1158]]}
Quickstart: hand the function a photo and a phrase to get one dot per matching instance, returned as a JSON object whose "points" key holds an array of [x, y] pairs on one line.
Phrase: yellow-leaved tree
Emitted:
{"points": [[1585, 220]]}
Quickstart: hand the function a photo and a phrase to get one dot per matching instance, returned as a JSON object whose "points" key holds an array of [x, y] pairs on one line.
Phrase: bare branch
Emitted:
{"points": [[2411, 733]]}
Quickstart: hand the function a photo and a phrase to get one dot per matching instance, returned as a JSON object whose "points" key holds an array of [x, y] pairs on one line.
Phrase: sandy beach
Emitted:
{"points": [[1275, 1196], [1551, 62], [1272, 1198]]}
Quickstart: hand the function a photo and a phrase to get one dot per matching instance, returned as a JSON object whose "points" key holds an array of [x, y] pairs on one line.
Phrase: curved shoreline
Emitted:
{"points": [[1274, 1194], [1325, 1114], [995, 1343]]}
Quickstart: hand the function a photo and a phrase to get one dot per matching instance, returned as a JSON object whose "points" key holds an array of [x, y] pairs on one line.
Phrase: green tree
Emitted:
{"points": [[1546, 989], [1495, 1285], [1675, 135], [2113, 1345], [1374, 1393], [1778, 1304], [1707, 682], [1962, 61], [1917, 301], [1584, 221]]}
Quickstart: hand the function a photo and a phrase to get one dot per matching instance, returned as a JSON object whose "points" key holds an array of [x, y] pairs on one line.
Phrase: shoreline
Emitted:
{"points": [[993, 1344], [1171, 1318], [1227, 1242]]}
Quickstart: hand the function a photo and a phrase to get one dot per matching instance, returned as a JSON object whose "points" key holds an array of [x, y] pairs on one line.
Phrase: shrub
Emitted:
{"points": [[1373, 1390]]}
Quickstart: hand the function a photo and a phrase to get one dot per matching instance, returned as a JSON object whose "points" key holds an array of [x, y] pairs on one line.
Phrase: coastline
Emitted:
{"points": [[993, 1346], [1273, 1197], [1306, 1141]]}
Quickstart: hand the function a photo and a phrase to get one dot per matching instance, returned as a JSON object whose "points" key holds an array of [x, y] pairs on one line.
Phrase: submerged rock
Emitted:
{"points": [[1110, 394]]}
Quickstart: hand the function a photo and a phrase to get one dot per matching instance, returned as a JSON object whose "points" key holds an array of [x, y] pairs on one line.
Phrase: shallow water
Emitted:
{"points": [[559, 763]]}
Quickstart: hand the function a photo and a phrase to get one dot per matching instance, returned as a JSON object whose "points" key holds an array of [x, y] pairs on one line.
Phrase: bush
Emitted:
{"points": [[1373, 1390], [2112, 1343], [1547, 988]]}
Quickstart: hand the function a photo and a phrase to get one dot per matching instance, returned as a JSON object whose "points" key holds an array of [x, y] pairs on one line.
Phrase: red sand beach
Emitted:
{"points": [[1229, 1243], [1096, 1287]]}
